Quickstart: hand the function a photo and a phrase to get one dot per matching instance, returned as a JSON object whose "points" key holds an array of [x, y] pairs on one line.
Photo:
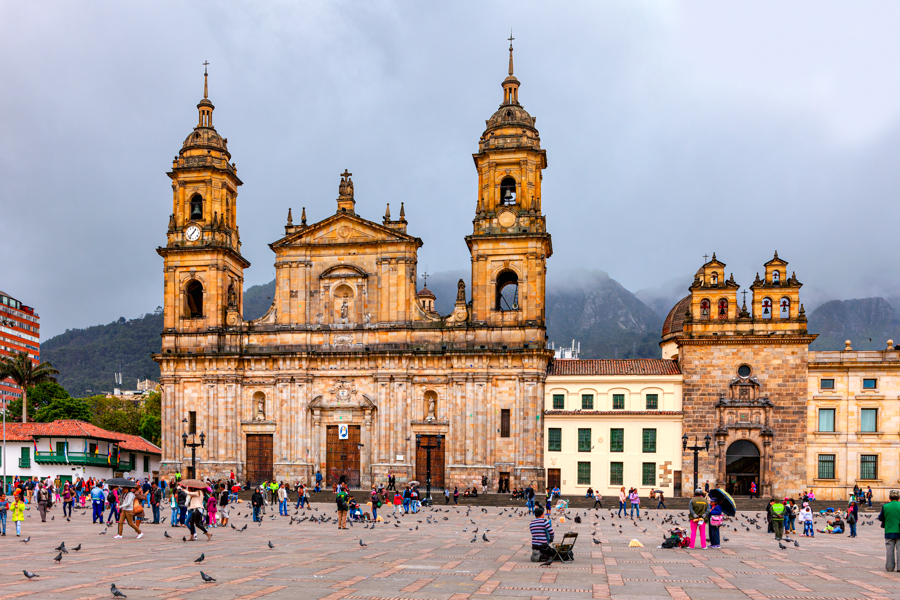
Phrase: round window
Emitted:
{"points": [[744, 371]]}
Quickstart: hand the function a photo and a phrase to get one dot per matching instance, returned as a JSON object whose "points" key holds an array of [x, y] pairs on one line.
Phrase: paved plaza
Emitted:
{"points": [[437, 561]]}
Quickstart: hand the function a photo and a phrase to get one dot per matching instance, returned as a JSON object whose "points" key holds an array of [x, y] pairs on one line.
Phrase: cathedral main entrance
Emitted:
{"points": [[342, 456], [435, 442], [259, 458], [742, 465]]}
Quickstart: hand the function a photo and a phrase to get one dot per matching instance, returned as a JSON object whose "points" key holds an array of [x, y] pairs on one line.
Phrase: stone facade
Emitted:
{"points": [[843, 384], [745, 379], [348, 373]]}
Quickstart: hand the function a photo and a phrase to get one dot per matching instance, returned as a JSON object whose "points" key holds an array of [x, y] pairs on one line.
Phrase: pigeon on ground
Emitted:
{"points": [[484, 537], [29, 574], [163, 520], [474, 539], [242, 528], [206, 577], [115, 591], [26, 540], [782, 546], [58, 557], [270, 545], [796, 543], [103, 532], [202, 556], [596, 541], [166, 534], [77, 548], [62, 548], [184, 538], [361, 544]]}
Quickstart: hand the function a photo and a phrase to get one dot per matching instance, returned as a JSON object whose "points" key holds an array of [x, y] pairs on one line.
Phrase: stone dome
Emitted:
{"points": [[510, 115], [426, 293], [674, 322], [205, 138]]}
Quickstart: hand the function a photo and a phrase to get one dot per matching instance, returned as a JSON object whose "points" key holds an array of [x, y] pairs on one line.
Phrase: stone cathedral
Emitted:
{"points": [[351, 372]]}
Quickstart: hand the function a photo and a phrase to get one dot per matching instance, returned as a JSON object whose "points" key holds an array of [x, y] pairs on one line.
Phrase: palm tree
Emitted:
{"points": [[26, 374]]}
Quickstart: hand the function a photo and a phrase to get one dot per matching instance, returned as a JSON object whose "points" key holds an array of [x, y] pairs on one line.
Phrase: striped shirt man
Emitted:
{"points": [[541, 532]]}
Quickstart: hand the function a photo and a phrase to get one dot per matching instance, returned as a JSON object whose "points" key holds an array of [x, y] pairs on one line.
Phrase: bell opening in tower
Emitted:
{"points": [[194, 293], [197, 206], [507, 291], [508, 192]]}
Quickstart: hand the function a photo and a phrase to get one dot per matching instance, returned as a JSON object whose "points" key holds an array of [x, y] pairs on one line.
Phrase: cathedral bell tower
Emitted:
{"points": [[204, 269], [510, 243]]}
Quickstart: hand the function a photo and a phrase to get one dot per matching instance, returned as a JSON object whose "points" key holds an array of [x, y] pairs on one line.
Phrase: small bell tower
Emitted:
{"points": [[510, 243], [204, 269]]}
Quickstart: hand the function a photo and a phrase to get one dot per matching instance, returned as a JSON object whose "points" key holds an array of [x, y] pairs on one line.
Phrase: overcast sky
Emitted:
{"points": [[672, 130]]}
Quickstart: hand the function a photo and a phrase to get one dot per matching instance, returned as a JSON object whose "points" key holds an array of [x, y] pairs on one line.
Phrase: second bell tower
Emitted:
{"points": [[510, 243]]}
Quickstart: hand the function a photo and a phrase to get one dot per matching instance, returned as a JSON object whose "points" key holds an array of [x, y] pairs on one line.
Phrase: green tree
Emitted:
{"points": [[151, 418], [26, 374], [64, 408], [115, 414]]}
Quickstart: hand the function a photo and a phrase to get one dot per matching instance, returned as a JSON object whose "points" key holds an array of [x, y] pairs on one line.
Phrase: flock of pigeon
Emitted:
{"points": [[321, 519]]}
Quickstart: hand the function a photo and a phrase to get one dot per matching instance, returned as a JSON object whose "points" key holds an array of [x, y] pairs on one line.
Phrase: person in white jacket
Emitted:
{"points": [[282, 500], [806, 518]]}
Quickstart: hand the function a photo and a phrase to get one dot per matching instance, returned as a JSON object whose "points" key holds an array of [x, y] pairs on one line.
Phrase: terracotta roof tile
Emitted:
{"points": [[26, 432], [606, 366]]}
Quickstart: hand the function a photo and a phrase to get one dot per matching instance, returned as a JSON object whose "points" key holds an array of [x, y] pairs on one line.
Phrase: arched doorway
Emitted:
{"points": [[742, 467]]}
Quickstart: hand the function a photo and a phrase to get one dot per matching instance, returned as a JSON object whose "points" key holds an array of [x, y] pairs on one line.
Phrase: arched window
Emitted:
{"points": [[508, 191], [704, 309], [715, 278], [507, 291], [723, 308], [767, 308], [194, 293], [784, 308], [776, 277], [196, 206]]}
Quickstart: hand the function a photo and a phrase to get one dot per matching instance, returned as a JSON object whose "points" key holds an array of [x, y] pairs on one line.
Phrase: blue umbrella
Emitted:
{"points": [[724, 500]]}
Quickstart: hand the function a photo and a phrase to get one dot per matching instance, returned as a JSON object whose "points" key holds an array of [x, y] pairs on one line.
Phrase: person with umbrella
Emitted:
{"points": [[195, 507], [125, 507], [716, 518]]}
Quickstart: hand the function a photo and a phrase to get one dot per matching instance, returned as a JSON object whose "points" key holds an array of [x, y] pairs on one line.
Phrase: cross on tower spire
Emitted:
{"points": [[511, 38], [425, 279], [705, 258], [205, 78]]}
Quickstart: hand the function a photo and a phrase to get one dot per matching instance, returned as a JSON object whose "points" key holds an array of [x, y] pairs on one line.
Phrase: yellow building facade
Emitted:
{"points": [[613, 423], [853, 422], [351, 372]]}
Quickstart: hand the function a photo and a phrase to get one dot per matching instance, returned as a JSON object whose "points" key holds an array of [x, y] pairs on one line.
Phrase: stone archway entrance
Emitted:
{"points": [[742, 467]]}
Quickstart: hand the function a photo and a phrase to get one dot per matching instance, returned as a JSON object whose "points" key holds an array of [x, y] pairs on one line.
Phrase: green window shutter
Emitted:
{"points": [[584, 440], [649, 440], [618, 401], [648, 474], [559, 401], [146, 464], [60, 447], [584, 473], [554, 439], [615, 473], [652, 401], [587, 402], [617, 440]]}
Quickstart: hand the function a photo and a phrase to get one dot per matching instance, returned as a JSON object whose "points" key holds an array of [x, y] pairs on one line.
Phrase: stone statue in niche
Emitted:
{"points": [[432, 405], [261, 408], [461, 291], [367, 318], [232, 296], [344, 309]]}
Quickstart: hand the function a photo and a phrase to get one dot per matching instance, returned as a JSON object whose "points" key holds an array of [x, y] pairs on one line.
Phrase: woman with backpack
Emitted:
{"points": [[716, 518], [699, 512]]}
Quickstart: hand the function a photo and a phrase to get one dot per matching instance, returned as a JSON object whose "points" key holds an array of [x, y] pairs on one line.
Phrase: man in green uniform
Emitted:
{"points": [[778, 518], [890, 520]]}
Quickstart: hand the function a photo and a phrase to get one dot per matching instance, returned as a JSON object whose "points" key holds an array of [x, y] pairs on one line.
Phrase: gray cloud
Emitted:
{"points": [[672, 130]]}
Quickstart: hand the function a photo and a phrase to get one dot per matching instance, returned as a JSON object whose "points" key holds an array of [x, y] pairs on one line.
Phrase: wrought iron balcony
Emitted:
{"points": [[74, 458]]}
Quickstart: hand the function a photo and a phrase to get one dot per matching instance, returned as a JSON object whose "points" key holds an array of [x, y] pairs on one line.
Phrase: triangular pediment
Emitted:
{"points": [[344, 228]]}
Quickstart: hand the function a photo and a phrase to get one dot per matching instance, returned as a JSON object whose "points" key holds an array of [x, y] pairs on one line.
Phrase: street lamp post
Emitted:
{"points": [[696, 450], [428, 448], [193, 446]]}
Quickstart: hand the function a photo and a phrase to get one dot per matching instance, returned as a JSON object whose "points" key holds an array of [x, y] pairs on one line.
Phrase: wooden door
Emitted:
{"points": [[259, 458], [437, 461], [676, 489], [553, 478], [342, 457]]}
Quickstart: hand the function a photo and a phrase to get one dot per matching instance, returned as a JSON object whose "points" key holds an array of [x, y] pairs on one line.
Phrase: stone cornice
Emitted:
{"points": [[743, 340]]}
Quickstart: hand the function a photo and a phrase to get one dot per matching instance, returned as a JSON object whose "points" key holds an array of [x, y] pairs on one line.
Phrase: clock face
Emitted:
{"points": [[192, 233]]}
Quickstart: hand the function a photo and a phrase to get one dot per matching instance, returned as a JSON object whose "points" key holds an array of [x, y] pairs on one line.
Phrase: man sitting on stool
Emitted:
{"points": [[541, 535]]}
